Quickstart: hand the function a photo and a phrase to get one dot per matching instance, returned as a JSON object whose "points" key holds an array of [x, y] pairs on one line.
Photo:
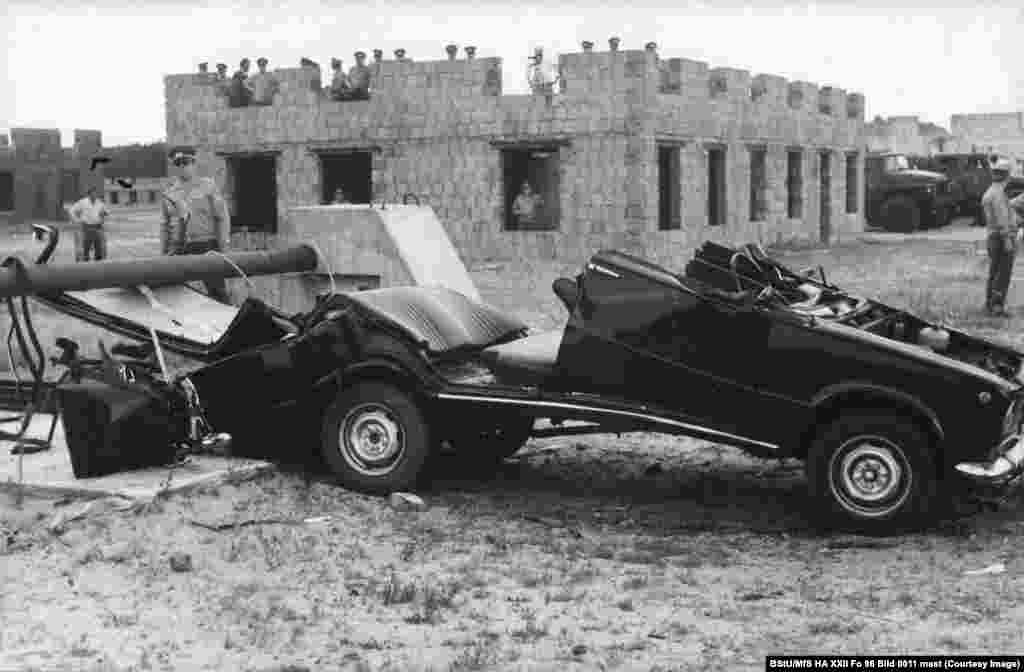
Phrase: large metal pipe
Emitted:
{"points": [[153, 271]]}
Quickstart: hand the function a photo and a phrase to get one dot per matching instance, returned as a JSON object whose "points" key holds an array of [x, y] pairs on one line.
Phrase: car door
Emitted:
{"points": [[664, 343], [618, 342]]}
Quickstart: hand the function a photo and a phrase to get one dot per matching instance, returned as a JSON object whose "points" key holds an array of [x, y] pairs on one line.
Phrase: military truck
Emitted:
{"points": [[970, 175], [901, 198]]}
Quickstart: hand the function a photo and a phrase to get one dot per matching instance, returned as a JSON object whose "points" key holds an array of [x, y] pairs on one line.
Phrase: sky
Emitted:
{"points": [[101, 65]]}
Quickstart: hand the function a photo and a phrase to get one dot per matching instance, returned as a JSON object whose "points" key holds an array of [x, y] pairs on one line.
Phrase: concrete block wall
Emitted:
{"points": [[37, 162], [433, 126]]}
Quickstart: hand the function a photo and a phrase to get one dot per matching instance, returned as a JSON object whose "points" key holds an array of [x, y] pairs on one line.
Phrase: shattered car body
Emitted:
{"points": [[889, 412]]}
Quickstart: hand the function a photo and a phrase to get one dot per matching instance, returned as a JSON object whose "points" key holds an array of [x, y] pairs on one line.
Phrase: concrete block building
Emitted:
{"points": [[631, 151], [38, 176], [144, 192]]}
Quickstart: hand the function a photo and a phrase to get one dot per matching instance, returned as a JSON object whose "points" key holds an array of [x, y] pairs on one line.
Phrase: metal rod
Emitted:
{"points": [[154, 271]]}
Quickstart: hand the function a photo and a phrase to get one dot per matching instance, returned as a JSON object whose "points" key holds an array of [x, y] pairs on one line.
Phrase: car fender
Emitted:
{"points": [[857, 392]]}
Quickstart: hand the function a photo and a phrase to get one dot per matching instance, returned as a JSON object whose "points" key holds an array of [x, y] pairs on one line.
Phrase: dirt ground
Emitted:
{"points": [[637, 552]]}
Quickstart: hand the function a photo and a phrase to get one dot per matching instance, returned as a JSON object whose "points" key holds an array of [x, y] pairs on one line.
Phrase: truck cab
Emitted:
{"points": [[905, 199]]}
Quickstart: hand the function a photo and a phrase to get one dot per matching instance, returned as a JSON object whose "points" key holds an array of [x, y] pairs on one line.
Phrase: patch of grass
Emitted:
{"points": [[950, 642], [395, 590], [835, 627], [529, 578], [480, 656], [434, 601], [531, 630], [639, 557], [584, 574], [562, 595], [636, 582]]}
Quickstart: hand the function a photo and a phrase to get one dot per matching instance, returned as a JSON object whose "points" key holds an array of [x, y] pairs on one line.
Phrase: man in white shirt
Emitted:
{"points": [[90, 213]]}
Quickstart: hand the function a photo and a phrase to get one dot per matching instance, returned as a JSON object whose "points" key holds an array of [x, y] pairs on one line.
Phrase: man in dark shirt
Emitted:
{"points": [[239, 94]]}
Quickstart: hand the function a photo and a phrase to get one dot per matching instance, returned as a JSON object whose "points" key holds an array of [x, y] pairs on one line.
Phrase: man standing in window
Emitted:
{"points": [[195, 216], [90, 213], [526, 206]]}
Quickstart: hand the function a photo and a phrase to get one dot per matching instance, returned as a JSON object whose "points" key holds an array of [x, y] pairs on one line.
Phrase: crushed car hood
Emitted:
{"points": [[946, 346]]}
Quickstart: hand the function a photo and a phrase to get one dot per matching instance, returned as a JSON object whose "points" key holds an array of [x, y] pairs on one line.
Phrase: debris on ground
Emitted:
{"points": [[579, 650], [997, 568], [404, 501], [181, 562], [93, 507]]}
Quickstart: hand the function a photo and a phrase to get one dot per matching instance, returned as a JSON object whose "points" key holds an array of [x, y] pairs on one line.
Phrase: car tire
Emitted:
{"points": [[873, 472], [900, 214], [375, 438]]}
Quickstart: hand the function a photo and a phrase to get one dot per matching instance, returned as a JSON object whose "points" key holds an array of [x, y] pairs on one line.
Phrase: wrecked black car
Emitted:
{"points": [[890, 413]]}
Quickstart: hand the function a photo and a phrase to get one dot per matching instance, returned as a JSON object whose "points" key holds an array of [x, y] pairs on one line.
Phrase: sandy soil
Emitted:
{"points": [[626, 553], [634, 552]]}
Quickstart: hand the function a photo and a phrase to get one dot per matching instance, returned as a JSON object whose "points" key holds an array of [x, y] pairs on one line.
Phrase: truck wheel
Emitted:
{"points": [[900, 213], [872, 471], [375, 438], [979, 216]]}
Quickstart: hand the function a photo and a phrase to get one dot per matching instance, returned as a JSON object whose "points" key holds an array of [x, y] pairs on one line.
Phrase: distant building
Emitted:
{"points": [[38, 177], [907, 135], [998, 133], [144, 191]]}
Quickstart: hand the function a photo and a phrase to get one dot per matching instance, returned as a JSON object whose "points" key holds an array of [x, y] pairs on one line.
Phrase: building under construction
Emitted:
{"points": [[630, 150]]}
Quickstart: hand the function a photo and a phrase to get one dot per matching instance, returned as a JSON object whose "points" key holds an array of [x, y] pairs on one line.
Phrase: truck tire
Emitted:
{"points": [[873, 471], [901, 214], [979, 216], [375, 438]]}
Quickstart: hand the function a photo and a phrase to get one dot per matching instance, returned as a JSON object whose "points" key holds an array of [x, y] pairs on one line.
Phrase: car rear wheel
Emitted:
{"points": [[375, 438], [900, 213], [872, 471]]}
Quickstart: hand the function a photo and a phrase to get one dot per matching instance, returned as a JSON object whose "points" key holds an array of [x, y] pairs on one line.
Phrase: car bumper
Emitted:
{"points": [[1008, 464]]}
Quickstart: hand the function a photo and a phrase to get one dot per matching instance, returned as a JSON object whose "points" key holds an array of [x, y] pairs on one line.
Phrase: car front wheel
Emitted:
{"points": [[375, 438], [872, 472]]}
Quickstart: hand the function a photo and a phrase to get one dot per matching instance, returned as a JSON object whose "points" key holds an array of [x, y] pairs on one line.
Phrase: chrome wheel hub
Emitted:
{"points": [[370, 440], [870, 476]]}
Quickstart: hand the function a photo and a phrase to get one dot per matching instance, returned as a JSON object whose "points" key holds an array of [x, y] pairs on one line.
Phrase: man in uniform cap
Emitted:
{"points": [[359, 78], [239, 93], [1003, 233], [222, 71], [263, 84], [195, 217]]}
